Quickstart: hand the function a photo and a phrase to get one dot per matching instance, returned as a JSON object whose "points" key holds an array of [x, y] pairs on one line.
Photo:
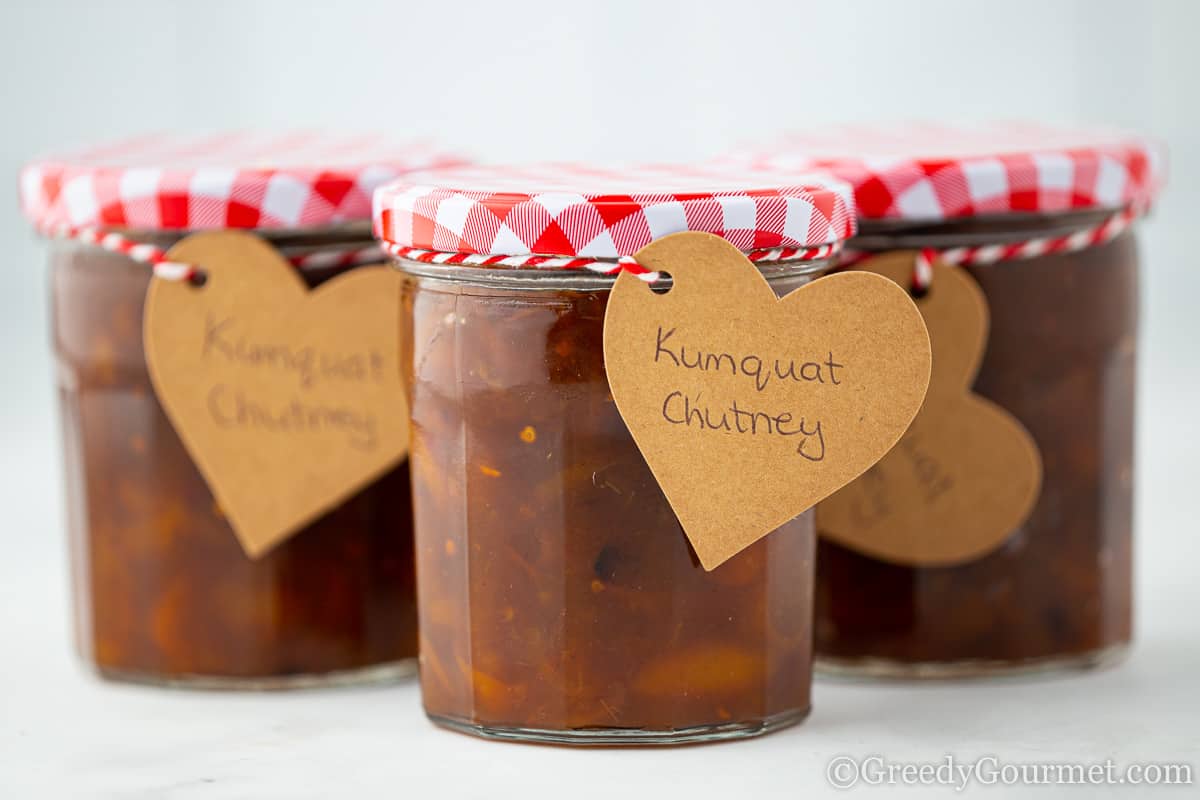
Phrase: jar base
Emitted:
{"points": [[866, 669], [607, 737], [390, 672]]}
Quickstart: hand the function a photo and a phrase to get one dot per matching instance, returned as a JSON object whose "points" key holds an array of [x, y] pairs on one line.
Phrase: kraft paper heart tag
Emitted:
{"points": [[967, 473], [748, 408], [288, 400]]}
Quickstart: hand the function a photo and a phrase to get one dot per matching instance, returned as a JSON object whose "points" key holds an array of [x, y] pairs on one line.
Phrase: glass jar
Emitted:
{"points": [[559, 598], [1061, 357], [1040, 217], [164, 593]]}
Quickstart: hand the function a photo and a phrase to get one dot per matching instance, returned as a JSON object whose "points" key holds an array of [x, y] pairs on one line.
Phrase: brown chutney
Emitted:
{"points": [[560, 599], [1061, 357], [163, 591]]}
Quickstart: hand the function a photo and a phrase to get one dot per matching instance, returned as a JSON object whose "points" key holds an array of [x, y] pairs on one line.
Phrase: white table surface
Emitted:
{"points": [[63, 733]]}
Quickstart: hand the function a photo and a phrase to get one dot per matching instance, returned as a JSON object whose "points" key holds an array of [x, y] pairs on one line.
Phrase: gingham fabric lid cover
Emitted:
{"points": [[577, 211], [237, 180], [931, 171]]}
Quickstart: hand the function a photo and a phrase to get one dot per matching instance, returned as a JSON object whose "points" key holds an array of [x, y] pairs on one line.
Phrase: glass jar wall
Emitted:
{"points": [[559, 598], [1060, 357], [163, 591]]}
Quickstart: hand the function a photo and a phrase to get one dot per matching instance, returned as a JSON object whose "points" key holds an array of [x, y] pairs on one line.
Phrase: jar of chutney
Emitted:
{"points": [[163, 592], [1041, 221], [559, 597]]}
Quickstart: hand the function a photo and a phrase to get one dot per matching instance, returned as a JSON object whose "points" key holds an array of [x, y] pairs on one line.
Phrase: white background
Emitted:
{"points": [[614, 80]]}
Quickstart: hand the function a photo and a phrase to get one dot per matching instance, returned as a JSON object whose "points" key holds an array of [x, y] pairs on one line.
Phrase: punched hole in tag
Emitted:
{"points": [[663, 284]]}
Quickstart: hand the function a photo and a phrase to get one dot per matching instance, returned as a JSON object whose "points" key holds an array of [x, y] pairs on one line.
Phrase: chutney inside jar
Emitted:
{"points": [[1061, 357], [164, 593], [560, 600]]}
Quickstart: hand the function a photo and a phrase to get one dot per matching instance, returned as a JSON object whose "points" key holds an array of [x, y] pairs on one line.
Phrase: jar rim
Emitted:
{"points": [[992, 229], [352, 227], [580, 279]]}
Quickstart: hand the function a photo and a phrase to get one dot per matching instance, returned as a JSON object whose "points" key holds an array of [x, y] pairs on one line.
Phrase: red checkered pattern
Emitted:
{"points": [[936, 171], [164, 182], [570, 216]]}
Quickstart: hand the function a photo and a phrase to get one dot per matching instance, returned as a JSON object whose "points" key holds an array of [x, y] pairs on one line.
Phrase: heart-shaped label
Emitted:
{"points": [[967, 473], [288, 400], [750, 408]]}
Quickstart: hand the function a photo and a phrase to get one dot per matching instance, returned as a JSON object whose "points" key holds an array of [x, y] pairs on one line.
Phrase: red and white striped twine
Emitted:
{"points": [[604, 267], [1098, 234], [167, 269]]}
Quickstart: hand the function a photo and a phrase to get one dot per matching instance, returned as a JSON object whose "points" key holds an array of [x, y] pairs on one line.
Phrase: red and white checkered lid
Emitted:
{"points": [[933, 171], [563, 215], [234, 180]]}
